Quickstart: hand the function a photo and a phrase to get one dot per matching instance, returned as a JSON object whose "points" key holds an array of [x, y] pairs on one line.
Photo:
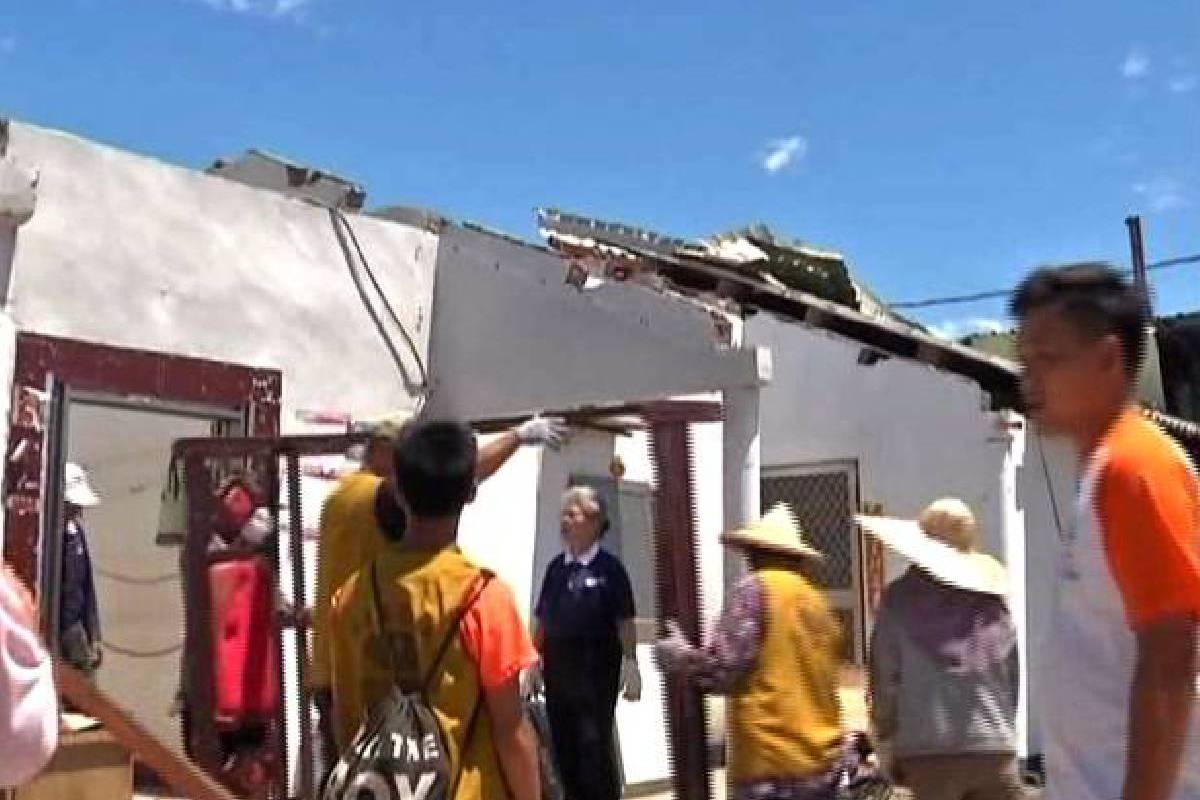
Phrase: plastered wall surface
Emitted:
{"points": [[169, 259], [509, 336]]}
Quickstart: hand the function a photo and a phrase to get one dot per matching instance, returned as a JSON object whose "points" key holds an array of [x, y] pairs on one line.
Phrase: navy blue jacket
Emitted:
{"points": [[78, 584]]}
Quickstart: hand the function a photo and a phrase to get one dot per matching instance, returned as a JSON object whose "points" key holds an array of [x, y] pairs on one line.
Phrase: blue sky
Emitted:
{"points": [[943, 147]]}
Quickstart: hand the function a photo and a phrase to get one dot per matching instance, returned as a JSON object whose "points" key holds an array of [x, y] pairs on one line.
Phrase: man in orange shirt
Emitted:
{"points": [[1119, 718], [422, 582]]}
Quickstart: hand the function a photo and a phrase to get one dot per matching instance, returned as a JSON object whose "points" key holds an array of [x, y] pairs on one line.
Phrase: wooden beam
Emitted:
{"points": [[182, 776]]}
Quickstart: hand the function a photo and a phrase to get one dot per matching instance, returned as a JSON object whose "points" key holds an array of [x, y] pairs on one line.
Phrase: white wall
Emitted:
{"points": [[173, 260], [510, 336], [499, 530], [916, 433]]}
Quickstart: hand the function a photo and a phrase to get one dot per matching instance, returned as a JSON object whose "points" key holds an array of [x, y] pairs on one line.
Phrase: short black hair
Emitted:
{"points": [[1096, 299], [435, 468]]}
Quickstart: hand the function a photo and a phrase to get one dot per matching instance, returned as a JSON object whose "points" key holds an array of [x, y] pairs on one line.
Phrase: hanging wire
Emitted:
{"points": [[1000, 293]]}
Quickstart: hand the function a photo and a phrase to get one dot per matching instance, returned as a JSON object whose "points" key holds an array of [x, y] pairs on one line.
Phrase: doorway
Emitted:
{"points": [[136, 563], [126, 406]]}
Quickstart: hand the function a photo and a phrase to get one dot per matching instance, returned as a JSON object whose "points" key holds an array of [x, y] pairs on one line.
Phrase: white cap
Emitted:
{"points": [[77, 490]]}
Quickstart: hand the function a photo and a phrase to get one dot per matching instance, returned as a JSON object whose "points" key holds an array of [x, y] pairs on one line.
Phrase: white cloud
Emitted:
{"points": [[269, 8], [1136, 64], [955, 329], [1162, 194], [1183, 84], [783, 152]]}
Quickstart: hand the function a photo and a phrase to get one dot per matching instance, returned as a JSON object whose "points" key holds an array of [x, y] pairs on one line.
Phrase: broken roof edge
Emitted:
{"points": [[287, 161], [437, 222], [996, 376]]}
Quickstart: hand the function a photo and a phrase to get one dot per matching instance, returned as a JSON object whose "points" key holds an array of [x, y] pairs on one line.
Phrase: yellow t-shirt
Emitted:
{"points": [[349, 538], [421, 592]]}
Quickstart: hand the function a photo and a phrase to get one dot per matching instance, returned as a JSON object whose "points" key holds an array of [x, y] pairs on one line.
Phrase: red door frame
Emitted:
{"points": [[119, 372]]}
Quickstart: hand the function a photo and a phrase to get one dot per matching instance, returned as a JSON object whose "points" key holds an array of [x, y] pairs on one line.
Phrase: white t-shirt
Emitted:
{"points": [[1131, 556]]}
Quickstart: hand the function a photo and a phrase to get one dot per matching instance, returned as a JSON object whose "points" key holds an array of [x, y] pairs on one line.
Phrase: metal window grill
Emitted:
{"points": [[821, 502]]}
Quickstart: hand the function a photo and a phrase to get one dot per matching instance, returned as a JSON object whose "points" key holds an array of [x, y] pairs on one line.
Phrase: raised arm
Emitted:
{"points": [[496, 453]]}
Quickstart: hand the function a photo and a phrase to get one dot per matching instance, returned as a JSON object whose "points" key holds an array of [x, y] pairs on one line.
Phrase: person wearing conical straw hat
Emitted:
{"points": [[943, 675], [774, 654]]}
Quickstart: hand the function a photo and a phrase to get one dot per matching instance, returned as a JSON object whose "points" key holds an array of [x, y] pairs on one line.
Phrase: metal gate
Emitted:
{"points": [[824, 498]]}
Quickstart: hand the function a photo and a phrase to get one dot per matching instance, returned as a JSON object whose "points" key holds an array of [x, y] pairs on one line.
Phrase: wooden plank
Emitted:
{"points": [[181, 775]]}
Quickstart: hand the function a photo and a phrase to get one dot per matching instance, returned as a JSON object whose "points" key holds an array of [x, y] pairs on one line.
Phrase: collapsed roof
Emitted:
{"points": [[754, 270]]}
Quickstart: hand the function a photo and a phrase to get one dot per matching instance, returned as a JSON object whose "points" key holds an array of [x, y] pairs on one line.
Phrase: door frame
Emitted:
{"points": [[852, 596], [138, 378]]}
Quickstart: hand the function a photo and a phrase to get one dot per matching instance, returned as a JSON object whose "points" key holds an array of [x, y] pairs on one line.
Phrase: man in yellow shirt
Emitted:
{"points": [[359, 513]]}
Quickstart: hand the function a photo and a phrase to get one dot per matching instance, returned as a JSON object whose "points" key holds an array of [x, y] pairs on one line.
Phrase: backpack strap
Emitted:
{"points": [[381, 619], [466, 743], [471, 597]]}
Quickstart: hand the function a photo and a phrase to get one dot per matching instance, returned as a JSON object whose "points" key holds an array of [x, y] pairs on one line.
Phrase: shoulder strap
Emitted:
{"points": [[468, 737], [471, 597], [381, 618]]}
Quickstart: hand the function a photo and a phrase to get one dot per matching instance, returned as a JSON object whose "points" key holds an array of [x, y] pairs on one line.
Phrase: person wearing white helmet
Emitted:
{"points": [[79, 612]]}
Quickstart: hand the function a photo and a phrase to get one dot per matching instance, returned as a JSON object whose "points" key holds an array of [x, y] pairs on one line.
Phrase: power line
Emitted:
{"points": [[999, 293]]}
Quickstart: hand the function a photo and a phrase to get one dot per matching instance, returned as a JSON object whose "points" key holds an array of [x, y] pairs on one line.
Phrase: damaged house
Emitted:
{"points": [[146, 303]]}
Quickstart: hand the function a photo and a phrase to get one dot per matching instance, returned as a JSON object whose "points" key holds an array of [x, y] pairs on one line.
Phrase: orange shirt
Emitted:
{"points": [[1148, 503]]}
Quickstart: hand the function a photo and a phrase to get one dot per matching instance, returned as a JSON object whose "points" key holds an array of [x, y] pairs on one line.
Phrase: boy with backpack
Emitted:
{"points": [[427, 650]]}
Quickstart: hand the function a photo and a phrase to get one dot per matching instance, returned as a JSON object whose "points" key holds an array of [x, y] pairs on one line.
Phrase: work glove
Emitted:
{"points": [[532, 682], [669, 650], [549, 431], [631, 679]]}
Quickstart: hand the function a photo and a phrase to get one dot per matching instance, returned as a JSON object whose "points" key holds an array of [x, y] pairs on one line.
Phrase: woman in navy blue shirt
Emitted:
{"points": [[583, 628]]}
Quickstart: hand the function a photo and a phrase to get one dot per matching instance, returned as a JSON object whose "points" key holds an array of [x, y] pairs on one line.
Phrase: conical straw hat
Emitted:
{"points": [[942, 542], [776, 532]]}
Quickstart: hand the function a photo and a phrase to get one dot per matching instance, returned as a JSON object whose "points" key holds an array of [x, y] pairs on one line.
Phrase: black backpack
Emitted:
{"points": [[401, 751]]}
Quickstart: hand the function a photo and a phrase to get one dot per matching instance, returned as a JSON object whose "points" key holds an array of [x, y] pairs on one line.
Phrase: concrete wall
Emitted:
{"points": [[172, 260], [917, 434], [510, 336]]}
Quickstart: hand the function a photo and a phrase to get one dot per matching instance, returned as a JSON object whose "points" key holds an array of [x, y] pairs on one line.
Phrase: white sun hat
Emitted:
{"points": [[77, 489], [942, 541]]}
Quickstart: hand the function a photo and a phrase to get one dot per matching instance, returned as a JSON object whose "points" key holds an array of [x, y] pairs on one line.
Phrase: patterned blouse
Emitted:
{"points": [[722, 667]]}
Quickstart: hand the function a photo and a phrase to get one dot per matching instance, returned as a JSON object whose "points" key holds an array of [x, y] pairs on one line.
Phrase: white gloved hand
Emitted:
{"points": [[531, 681], [670, 649], [549, 431], [631, 679]]}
